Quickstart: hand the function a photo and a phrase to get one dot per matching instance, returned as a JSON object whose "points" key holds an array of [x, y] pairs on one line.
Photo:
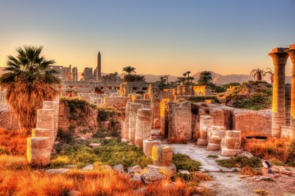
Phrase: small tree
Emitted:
{"points": [[29, 81], [257, 74], [205, 78], [269, 73]]}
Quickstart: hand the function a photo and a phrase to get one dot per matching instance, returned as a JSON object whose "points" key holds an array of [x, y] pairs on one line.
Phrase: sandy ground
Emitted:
{"points": [[228, 183]]}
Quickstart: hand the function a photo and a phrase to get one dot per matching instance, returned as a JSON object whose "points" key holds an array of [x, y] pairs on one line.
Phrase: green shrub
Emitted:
{"points": [[184, 162], [203, 98], [290, 155], [111, 152], [240, 162]]}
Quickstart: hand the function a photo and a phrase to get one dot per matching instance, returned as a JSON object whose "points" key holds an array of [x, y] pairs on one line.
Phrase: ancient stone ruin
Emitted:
{"points": [[40, 145]]}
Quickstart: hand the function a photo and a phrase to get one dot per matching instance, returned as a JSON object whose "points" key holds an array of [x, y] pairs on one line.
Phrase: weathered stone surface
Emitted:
{"points": [[136, 177], [45, 119], [148, 146], [180, 121], [231, 143], [152, 176], [145, 102], [117, 102], [167, 170], [143, 126], [125, 128], [134, 107], [119, 168], [279, 57], [249, 120], [88, 167], [214, 136], [134, 169], [39, 151], [164, 116], [7, 119], [156, 134], [162, 155], [206, 122]]}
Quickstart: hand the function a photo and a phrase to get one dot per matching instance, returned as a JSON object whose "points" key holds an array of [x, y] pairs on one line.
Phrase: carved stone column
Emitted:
{"points": [[279, 57], [291, 52]]}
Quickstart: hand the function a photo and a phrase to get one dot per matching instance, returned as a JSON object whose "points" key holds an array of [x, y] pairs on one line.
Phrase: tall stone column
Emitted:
{"points": [[291, 52], [134, 107], [279, 57]]}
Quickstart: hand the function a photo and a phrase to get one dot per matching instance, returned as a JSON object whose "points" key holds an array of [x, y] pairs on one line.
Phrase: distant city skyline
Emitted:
{"points": [[155, 37]]}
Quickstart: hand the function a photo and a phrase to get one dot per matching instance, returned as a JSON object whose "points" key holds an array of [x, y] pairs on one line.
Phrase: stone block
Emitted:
{"points": [[162, 155], [143, 126], [231, 143], [180, 121], [134, 107], [38, 151], [206, 122], [215, 133], [148, 146]]}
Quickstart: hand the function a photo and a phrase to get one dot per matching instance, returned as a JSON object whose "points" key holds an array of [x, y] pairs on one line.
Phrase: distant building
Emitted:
{"points": [[88, 74], [66, 73]]}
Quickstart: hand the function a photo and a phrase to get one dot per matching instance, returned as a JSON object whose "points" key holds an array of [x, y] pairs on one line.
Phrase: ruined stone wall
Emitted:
{"points": [[117, 102], [249, 120], [81, 120], [8, 120]]}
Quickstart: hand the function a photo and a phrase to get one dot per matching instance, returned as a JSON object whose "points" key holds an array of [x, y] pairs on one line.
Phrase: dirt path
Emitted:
{"points": [[228, 182]]}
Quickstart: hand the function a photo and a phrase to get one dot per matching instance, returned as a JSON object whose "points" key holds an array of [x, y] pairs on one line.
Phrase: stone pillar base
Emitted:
{"points": [[212, 146], [38, 151], [202, 142], [148, 146], [230, 152]]}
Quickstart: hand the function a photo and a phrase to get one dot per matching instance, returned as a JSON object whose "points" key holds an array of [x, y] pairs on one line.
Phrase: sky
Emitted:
{"points": [[154, 36]]}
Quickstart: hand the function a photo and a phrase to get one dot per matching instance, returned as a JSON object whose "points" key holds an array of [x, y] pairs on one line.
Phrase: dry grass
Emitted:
{"points": [[12, 142], [17, 178], [247, 170], [270, 149]]}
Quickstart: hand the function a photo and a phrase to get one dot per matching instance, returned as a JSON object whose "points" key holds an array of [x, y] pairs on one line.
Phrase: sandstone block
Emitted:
{"points": [[143, 126], [162, 155], [148, 146], [38, 151]]}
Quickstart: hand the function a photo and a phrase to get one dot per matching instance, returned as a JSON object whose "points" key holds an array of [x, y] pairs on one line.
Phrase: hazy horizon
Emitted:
{"points": [[156, 37]]}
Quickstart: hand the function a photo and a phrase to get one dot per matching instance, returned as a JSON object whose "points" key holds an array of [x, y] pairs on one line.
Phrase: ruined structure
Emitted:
{"points": [[231, 143], [40, 145], [291, 52], [206, 122], [215, 134], [143, 126], [279, 57]]}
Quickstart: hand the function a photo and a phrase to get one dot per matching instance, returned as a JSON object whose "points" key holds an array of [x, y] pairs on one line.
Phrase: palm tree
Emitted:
{"points": [[269, 72], [29, 81], [257, 74], [129, 70], [205, 78]]}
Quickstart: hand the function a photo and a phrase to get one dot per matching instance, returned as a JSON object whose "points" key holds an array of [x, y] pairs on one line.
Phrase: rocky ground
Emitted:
{"points": [[228, 182]]}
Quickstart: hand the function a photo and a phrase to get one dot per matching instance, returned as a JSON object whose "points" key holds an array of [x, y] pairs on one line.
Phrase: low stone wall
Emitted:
{"points": [[117, 102], [249, 120]]}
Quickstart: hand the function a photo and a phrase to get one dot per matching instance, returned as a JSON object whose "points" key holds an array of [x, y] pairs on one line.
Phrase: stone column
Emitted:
{"points": [[162, 155], [279, 57], [55, 106], [125, 128], [148, 146], [291, 52], [231, 143], [215, 133], [143, 126], [38, 151], [206, 122], [180, 122], [164, 116], [134, 107]]}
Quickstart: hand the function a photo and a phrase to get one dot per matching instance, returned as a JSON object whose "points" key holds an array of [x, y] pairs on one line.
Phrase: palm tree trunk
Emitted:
{"points": [[291, 53], [278, 98]]}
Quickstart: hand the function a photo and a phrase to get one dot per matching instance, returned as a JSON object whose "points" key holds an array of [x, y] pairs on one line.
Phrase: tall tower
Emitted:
{"points": [[98, 68]]}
